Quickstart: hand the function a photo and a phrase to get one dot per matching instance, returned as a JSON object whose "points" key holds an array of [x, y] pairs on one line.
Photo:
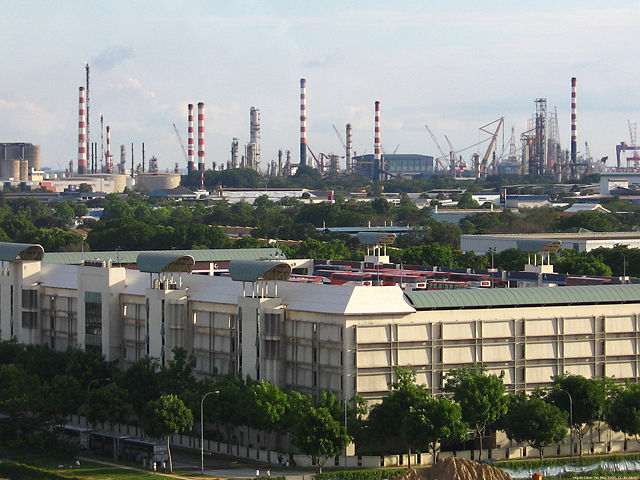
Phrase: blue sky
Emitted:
{"points": [[454, 65]]}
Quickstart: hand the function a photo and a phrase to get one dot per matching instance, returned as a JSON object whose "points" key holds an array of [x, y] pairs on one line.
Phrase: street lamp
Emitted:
{"points": [[570, 419], [492, 251], [202, 430], [624, 268]]}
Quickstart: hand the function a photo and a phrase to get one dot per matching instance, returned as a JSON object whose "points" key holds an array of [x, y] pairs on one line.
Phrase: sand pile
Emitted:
{"points": [[453, 468]]}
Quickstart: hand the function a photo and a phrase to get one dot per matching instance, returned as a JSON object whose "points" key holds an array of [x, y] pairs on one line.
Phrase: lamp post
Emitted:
{"points": [[202, 429], [492, 251], [570, 419], [624, 268]]}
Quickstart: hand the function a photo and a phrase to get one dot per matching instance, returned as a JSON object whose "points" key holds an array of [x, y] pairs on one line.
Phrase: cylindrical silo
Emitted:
{"points": [[14, 169], [32, 154], [24, 170]]}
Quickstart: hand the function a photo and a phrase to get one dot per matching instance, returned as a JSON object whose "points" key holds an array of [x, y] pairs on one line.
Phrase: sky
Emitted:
{"points": [[454, 65]]}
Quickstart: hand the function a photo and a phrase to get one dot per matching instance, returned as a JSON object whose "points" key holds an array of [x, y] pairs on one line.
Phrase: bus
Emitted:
{"points": [[408, 281], [306, 278], [77, 435], [129, 448], [351, 278], [446, 285], [576, 280]]}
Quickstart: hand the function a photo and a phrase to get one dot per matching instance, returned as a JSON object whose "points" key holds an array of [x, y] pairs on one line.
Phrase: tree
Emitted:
{"points": [[84, 188], [432, 421], [109, 403], [481, 396], [467, 201], [317, 433], [581, 264], [167, 416], [389, 417], [622, 413], [533, 421], [587, 401], [268, 404]]}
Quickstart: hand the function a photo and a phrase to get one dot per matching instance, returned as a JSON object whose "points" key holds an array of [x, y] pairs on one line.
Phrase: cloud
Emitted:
{"points": [[28, 118], [112, 56]]}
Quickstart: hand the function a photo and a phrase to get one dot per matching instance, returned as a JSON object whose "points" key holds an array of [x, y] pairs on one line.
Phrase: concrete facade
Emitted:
{"points": [[581, 242], [309, 337]]}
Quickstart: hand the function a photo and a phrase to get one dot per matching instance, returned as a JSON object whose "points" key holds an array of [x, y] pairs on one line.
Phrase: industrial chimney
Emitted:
{"points": [[574, 128], [254, 135], [109, 160], [303, 122], [349, 148], [82, 134], [190, 149], [377, 149], [235, 152], [201, 137]]}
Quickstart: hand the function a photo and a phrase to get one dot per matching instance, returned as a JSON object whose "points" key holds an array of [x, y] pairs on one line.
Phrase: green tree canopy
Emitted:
{"points": [[481, 396], [167, 416]]}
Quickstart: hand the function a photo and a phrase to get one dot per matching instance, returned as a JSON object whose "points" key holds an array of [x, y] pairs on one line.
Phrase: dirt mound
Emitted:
{"points": [[453, 468]]}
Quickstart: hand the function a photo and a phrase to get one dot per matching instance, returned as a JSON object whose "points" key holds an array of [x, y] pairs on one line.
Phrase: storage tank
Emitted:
{"points": [[148, 182], [13, 170], [24, 170], [13, 151], [32, 154]]}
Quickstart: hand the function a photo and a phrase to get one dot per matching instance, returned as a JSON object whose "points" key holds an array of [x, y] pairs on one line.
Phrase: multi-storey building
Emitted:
{"points": [[312, 337]]}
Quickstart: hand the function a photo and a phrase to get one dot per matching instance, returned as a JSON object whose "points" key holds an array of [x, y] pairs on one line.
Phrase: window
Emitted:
{"points": [[93, 321], [271, 349], [271, 324], [30, 299], [29, 319]]}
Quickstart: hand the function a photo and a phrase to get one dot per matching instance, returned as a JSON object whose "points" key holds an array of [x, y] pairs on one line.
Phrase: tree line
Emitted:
{"points": [[41, 388]]}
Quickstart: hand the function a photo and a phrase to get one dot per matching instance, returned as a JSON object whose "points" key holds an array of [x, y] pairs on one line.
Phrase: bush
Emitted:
{"points": [[18, 471], [368, 474]]}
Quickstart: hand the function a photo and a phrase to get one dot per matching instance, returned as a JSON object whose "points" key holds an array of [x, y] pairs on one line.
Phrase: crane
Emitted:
{"points": [[184, 152], [319, 163], [452, 155], [444, 155], [339, 137], [492, 144]]}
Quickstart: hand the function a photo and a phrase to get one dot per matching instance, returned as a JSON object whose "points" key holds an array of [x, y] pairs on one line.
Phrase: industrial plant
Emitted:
{"points": [[537, 152]]}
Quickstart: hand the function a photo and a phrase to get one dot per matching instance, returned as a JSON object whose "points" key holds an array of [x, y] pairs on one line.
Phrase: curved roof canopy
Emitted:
{"points": [[254, 270], [521, 297], [376, 238], [10, 252], [157, 262], [538, 245]]}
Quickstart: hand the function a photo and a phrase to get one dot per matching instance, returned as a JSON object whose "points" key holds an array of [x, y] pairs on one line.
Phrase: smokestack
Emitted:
{"points": [[109, 165], [235, 151], [303, 122], [377, 150], [82, 134], [349, 148], [190, 149], [88, 119], [201, 137], [254, 135], [574, 127]]}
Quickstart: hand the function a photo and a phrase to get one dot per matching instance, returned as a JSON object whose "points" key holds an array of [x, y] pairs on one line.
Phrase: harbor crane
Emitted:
{"points": [[485, 160], [443, 155], [184, 152]]}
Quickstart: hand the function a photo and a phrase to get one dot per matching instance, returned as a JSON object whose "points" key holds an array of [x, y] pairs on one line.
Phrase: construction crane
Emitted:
{"points": [[319, 163], [452, 155], [184, 152], [339, 137], [492, 144], [444, 155]]}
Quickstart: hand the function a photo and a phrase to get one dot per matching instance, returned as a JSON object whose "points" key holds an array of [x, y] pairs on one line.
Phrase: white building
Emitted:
{"points": [[311, 337], [581, 242]]}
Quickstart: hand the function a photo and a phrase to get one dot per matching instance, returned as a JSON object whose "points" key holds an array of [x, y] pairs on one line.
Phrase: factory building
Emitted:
{"points": [[580, 242], [313, 337], [395, 165], [18, 160]]}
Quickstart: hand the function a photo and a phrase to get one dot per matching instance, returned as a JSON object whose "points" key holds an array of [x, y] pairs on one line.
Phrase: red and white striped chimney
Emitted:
{"points": [[109, 160], [377, 149], [574, 126], [82, 133], [190, 146], [303, 122], [201, 137]]}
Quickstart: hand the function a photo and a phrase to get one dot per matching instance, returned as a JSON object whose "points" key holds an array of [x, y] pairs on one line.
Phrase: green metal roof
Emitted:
{"points": [[210, 255], [520, 297], [537, 245], [10, 252], [156, 262], [376, 238], [253, 270]]}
